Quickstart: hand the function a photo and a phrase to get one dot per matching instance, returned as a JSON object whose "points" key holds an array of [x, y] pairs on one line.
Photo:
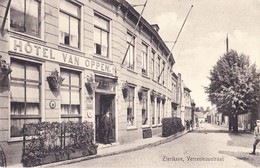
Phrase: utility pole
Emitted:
{"points": [[227, 43]]}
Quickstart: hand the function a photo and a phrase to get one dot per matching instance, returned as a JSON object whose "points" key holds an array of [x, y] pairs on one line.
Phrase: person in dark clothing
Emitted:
{"points": [[106, 126], [257, 136]]}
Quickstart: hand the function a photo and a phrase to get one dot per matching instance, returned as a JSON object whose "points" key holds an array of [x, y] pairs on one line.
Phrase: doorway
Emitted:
{"points": [[104, 102]]}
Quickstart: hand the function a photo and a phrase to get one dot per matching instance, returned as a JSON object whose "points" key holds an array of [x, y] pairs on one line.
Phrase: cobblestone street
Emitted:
{"points": [[208, 146]]}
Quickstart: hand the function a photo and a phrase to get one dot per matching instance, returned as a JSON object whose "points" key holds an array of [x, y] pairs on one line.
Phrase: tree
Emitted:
{"points": [[197, 109], [208, 109], [233, 86]]}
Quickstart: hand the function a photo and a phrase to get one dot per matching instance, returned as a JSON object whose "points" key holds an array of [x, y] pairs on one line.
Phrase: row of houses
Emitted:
{"points": [[70, 60]]}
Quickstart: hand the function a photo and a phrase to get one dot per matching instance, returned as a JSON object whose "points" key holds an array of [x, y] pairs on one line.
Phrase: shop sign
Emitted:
{"points": [[39, 51], [105, 83]]}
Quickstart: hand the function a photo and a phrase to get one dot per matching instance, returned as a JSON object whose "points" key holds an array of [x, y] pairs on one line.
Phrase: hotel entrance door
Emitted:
{"points": [[104, 102]]}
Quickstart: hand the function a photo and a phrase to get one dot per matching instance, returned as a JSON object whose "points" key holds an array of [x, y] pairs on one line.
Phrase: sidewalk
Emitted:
{"points": [[115, 148]]}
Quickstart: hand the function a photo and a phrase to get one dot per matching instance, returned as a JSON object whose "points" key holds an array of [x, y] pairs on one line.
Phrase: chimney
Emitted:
{"points": [[156, 27]]}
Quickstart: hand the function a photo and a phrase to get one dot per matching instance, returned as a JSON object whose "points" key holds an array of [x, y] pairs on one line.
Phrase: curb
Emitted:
{"points": [[138, 147]]}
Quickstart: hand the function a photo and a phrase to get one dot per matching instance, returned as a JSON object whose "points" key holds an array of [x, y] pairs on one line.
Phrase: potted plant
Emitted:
{"points": [[55, 80], [163, 99], [152, 95], [90, 84], [5, 69], [140, 94], [125, 89]]}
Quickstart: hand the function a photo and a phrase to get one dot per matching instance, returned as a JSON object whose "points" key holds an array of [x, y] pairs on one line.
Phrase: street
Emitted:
{"points": [[208, 146]]}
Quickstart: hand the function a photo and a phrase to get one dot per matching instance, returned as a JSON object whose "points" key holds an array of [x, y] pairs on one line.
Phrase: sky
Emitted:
{"points": [[203, 39]]}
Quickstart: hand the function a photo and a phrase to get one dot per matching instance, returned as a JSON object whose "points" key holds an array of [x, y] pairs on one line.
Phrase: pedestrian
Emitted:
{"points": [[191, 123], [257, 136], [106, 126]]}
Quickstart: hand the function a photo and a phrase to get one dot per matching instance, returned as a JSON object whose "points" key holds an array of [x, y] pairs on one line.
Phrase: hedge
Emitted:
{"points": [[171, 126], [47, 142]]}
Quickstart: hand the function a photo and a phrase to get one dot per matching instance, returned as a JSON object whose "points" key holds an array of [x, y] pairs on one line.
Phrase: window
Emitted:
{"points": [[144, 58], [153, 112], [69, 24], [145, 108], [131, 51], [163, 74], [163, 109], [24, 16], [158, 111], [70, 96], [25, 95], [101, 36], [130, 106], [153, 65], [158, 69]]}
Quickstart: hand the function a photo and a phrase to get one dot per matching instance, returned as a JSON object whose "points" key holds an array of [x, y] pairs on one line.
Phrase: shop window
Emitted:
{"points": [[158, 111], [131, 51], [144, 58], [70, 96], [69, 24], [130, 107], [101, 36], [25, 95], [24, 16], [145, 108]]}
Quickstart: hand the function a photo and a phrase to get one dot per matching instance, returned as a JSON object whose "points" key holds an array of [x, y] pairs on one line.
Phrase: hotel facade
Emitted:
{"points": [[96, 57]]}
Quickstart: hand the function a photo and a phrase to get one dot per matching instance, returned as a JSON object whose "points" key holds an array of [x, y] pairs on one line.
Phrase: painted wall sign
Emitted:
{"points": [[35, 50]]}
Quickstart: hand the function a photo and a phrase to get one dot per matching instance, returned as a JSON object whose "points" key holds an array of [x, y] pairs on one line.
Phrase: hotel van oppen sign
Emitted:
{"points": [[39, 51]]}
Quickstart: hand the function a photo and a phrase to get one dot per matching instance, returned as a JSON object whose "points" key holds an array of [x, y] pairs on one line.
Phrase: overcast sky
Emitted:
{"points": [[202, 40]]}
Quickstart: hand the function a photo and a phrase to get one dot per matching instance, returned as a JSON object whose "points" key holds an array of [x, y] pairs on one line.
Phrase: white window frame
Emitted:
{"points": [[80, 26], [133, 44], [145, 58], [81, 94], [41, 96], [41, 23], [108, 56]]}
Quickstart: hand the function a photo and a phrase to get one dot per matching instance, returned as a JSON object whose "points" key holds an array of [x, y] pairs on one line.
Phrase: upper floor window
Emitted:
{"points": [[70, 96], [25, 95], [101, 35], [24, 16], [69, 24], [131, 51], [158, 69], [153, 64], [144, 58], [163, 73]]}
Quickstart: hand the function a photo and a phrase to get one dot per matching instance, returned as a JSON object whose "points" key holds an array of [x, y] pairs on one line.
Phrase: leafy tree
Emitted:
{"points": [[234, 88]]}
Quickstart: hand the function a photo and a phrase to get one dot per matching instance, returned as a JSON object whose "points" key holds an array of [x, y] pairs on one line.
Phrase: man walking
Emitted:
{"points": [[257, 136], [107, 126]]}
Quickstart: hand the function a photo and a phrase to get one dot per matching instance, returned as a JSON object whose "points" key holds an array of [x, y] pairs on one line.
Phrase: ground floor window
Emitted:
{"points": [[158, 109], [70, 95], [130, 106], [153, 113], [25, 95], [145, 108]]}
